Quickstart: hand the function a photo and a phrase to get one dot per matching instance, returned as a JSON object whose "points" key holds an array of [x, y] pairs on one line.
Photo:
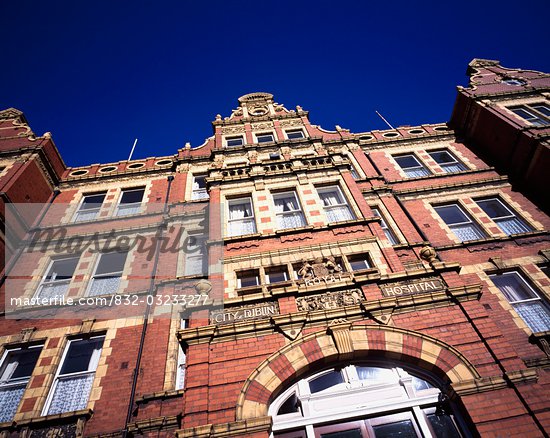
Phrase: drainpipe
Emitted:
{"points": [[151, 290], [33, 227]]}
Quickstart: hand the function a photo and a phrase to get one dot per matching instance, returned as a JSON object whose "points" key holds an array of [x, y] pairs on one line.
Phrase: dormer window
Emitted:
{"points": [[234, 141]]}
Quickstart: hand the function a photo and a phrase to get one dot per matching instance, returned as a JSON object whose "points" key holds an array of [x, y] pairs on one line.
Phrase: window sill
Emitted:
{"points": [[438, 175], [294, 230], [162, 395], [43, 420]]}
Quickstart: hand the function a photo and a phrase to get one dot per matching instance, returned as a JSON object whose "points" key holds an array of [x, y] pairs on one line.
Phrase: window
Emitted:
{"points": [[130, 201], [359, 401], [180, 373], [57, 279], [411, 166], [196, 260], [515, 82], [335, 205], [459, 222], [89, 207], [503, 216], [526, 302], [447, 162], [15, 373], [293, 134], [276, 274], [108, 273], [265, 138], [390, 235], [354, 173], [248, 278], [241, 217], [288, 211], [75, 376], [359, 262], [234, 141], [537, 114], [199, 188]]}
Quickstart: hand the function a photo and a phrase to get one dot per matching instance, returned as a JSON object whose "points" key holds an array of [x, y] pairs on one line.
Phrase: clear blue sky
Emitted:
{"points": [[98, 74]]}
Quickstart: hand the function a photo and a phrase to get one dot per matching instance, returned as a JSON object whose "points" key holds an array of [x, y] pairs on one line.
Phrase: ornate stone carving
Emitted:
{"points": [[329, 300], [319, 268], [428, 253], [290, 122], [233, 129], [265, 125]]}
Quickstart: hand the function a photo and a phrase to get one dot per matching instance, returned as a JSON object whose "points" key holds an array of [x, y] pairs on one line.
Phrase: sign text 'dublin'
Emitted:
{"points": [[244, 313], [412, 288]]}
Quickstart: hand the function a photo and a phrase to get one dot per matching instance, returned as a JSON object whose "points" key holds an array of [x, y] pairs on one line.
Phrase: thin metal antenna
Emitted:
{"points": [[387, 123], [134, 146]]}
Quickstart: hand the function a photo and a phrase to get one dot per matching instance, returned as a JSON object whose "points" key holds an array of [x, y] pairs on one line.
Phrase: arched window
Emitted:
{"points": [[364, 400]]}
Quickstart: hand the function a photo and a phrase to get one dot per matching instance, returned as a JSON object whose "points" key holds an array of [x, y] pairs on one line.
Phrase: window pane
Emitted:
{"points": [[455, 167], [401, 429], [277, 275], [535, 314], [407, 161], [543, 109], [234, 141], [442, 157], [443, 426], [376, 374], [295, 134], [285, 203], [92, 201], [420, 384], [353, 433], [71, 393], [512, 226], [240, 209], [359, 263], [451, 214], [418, 172], [132, 196], [10, 397], [325, 381], [330, 197], [248, 279], [62, 269], [513, 286], [111, 262], [19, 364], [467, 232], [493, 208], [82, 356], [264, 138], [290, 406]]}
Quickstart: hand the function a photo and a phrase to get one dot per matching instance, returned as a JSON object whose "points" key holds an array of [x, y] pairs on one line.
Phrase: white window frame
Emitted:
{"points": [[284, 270], [363, 257], [390, 234], [45, 282], [538, 117], [521, 223], [234, 137], [448, 167], [201, 254], [57, 375], [260, 134], [118, 274], [97, 210], [21, 381], [282, 214], [251, 219], [134, 207], [412, 172], [345, 203], [287, 131], [475, 226], [257, 276], [181, 367], [198, 193], [536, 298], [349, 405]]}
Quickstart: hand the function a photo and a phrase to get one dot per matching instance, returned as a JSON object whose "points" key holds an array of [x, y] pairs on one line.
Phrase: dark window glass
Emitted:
{"points": [[264, 138], [443, 426], [442, 157], [62, 269], [401, 429], [451, 214], [235, 141], [80, 354], [359, 262], [92, 201], [325, 381], [353, 433], [493, 208], [290, 405], [295, 134], [407, 161], [132, 196], [111, 262], [248, 279], [276, 275], [25, 360]]}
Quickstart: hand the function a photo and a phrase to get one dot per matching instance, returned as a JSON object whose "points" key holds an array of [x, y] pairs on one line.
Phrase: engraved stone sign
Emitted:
{"points": [[412, 287], [244, 313]]}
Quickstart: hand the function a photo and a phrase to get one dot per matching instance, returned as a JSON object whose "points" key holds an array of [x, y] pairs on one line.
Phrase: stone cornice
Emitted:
{"points": [[234, 429]]}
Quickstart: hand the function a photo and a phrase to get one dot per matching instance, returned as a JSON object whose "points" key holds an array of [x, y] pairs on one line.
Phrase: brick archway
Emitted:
{"points": [[344, 342]]}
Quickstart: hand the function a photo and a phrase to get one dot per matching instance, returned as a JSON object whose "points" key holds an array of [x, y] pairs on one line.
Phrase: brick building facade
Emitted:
{"points": [[373, 283]]}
